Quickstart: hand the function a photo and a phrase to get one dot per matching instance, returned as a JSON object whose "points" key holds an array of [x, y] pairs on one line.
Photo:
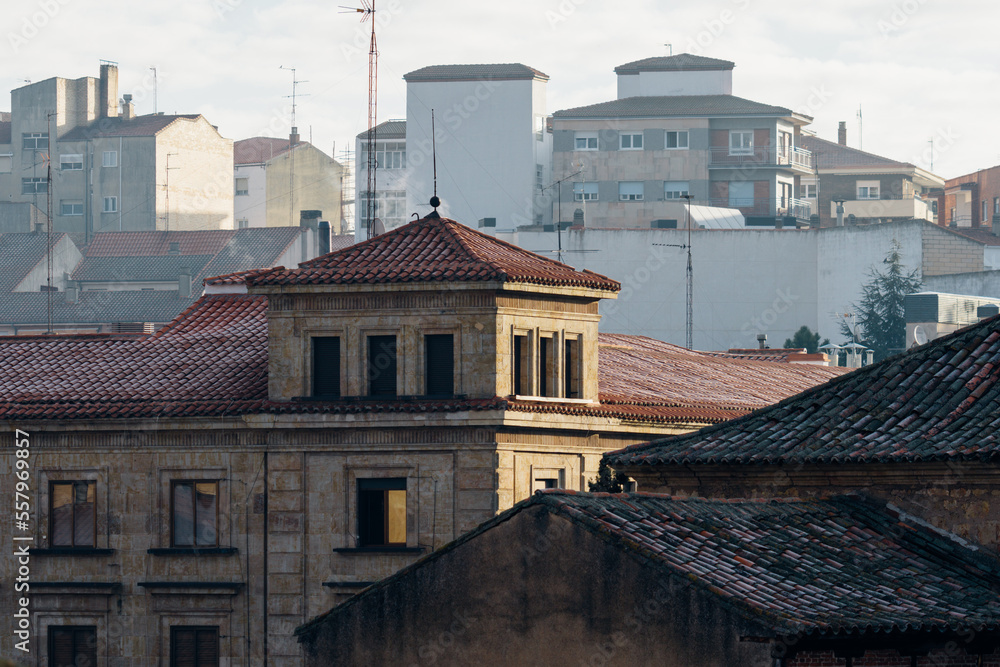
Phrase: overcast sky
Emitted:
{"points": [[919, 69]]}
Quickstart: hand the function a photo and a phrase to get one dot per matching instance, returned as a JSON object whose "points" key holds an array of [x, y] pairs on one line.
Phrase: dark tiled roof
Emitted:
{"points": [[341, 241], [19, 254], [778, 354], [5, 130], [251, 248], [140, 126], [984, 235], [502, 71], [434, 250], [665, 106], [257, 150], [799, 567], [940, 401], [639, 374], [165, 374], [830, 154], [682, 62], [390, 129], [139, 269], [92, 307], [147, 244]]}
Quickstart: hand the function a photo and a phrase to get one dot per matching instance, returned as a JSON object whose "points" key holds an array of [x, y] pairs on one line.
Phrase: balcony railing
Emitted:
{"points": [[764, 207], [761, 156]]}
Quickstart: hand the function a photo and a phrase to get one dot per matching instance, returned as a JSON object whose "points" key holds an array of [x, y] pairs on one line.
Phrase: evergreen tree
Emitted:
{"points": [[805, 338], [608, 480], [880, 323]]}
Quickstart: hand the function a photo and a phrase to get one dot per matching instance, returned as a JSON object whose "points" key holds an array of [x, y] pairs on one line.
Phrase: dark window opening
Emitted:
{"points": [[545, 483], [439, 364], [73, 515], [382, 512], [326, 366], [382, 366], [72, 645], [194, 646], [520, 380], [546, 350], [571, 370], [195, 514]]}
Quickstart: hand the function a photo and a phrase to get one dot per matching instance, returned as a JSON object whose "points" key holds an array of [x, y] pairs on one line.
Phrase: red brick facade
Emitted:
{"points": [[983, 186]]}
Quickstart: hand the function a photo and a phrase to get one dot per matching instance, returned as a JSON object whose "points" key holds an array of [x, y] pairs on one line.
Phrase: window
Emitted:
{"points": [[382, 512], [674, 140], [6, 163], [985, 214], [194, 513], [540, 128], [35, 141], [520, 378], [194, 646], [34, 186], [539, 176], [110, 205], [740, 193], [391, 155], [630, 141], [586, 141], [868, 189], [809, 191], [71, 162], [585, 191], [675, 189], [439, 364], [571, 368], [544, 483], [73, 514], [630, 191], [110, 159], [996, 205], [740, 142], [390, 206], [546, 350], [382, 366], [242, 186], [72, 645], [71, 207], [242, 224], [326, 366]]}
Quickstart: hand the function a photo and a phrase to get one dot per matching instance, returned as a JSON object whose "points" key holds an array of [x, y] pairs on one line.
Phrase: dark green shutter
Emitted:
{"points": [[439, 364], [382, 366], [326, 366]]}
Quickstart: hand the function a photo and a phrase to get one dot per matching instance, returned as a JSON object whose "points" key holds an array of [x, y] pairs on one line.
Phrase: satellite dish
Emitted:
{"points": [[377, 227], [919, 335]]}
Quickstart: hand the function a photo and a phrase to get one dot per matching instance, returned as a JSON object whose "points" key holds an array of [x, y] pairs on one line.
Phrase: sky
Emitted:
{"points": [[920, 71]]}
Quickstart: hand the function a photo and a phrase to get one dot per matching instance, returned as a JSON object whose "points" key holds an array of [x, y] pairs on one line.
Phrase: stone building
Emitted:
{"points": [[297, 434]]}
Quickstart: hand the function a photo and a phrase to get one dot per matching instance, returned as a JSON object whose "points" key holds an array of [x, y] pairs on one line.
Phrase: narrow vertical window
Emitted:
{"points": [[382, 366], [439, 364], [73, 515], [520, 380], [571, 368], [545, 350], [326, 366], [195, 510], [382, 512]]}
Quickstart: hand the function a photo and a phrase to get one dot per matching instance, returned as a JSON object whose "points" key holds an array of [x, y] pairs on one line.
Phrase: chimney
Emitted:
{"points": [[109, 90], [184, 282], [840, 212], [72, 293], [762, 340], [293, 138], [324, 237], [578, 218], [842, 133], [128, 109], [987, 310], [175, 248]]}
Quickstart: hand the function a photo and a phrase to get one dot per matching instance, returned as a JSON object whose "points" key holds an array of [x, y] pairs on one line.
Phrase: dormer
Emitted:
{"points": [[683, 74], [432, 310]]}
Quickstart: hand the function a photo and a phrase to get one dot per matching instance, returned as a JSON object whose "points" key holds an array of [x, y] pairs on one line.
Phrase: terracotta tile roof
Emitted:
{"points": [[829, 154], [494, 72], [165, 374], [390, 129], [148, 244], [650, 378], [937, 402], [434, 250], [814, 567], [685, 106], [140, 126], [20, 253], [257, 150], [682, 62], [984, 235]]}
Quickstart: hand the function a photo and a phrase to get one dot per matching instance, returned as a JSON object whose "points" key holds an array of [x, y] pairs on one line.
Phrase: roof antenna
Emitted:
{"points": [[435, 201]]}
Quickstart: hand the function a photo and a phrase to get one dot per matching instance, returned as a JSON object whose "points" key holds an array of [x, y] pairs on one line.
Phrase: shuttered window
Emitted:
{"points": [[382, 366], [439, 364], [73, 517], [326, 366], [72, 645], [194, 646]]}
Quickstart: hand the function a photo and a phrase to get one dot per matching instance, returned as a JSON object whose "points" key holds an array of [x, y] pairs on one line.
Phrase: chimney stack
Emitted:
{"points": [[184, 282], [324, 237], [128, 109], [842, 133], [293, 138], [109, 90]]}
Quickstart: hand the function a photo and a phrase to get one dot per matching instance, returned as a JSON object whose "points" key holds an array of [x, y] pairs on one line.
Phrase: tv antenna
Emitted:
{"points": [[291, 146], [556, 184], [48, 226], [689, 315], [861, 143], [166, 195], [367, 11], [156, 107]]}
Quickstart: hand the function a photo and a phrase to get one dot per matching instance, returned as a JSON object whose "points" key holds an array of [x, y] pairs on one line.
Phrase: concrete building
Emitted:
{"points": [[971, 201], [391, 178], [751, 281], [494, 149], [112, 170], [297, 434], [870, 188], [677, 131], [275, 179], [931, 315]]}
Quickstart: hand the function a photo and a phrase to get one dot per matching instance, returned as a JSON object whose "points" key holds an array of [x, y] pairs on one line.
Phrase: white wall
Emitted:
{"points": [[698, 82], [486, 149], [253, 206], [385, 180]]}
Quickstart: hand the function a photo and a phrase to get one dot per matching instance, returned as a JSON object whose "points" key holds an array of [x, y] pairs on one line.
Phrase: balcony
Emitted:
{"points": [[886, 206], [722, 157], [777, 207]]}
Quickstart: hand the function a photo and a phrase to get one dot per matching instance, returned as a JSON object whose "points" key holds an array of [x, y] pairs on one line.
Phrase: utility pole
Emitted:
{"points": [[689, 315], [166, 195], [367, 11]]}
